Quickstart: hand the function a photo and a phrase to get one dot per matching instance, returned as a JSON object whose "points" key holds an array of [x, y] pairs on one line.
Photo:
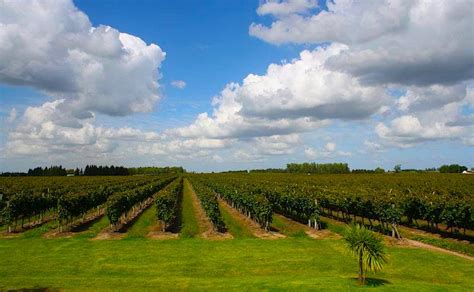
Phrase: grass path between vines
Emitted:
{"points": [[235, 227], [205, 225], [243, 224], [191, 226], [142, 226], [293, 228]]}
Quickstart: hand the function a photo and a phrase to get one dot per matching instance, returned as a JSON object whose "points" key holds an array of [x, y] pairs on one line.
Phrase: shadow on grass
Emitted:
{"points": [[373, 282], [130, 223], [85, 226]]}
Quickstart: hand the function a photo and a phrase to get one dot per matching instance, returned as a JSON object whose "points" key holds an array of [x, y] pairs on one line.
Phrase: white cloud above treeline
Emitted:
{"points": [[293, 97], [421, 47]]}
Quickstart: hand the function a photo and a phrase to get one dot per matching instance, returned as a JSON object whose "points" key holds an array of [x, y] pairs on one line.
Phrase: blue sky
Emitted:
{"points": [[338, 89]]}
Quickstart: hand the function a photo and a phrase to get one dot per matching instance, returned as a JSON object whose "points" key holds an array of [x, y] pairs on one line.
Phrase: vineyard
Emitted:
{"points": [[432, 211]]}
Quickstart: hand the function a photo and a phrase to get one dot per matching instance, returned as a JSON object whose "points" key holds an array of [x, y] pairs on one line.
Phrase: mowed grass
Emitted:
{"points": [[142, 225], [288, 227], [245, 264], [94, 228], [234, 226], [189, 224]]}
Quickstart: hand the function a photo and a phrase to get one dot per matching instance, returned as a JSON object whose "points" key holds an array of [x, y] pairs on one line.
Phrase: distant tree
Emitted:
{"points": [[379, 170], [453, 168], [323, 168], [77, 172], [397, 168], [367, 247]]}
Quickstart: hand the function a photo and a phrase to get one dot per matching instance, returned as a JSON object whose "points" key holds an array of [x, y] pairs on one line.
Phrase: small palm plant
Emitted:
{"points": [[367, 247]]}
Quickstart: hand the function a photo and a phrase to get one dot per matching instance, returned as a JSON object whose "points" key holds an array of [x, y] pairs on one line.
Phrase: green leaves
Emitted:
{"points": [[366, 247], [120, 203], [167, 202], [208, 199]]}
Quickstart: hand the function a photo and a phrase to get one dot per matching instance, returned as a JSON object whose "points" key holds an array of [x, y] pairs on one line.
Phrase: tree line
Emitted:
{"points": [[322, 168], [452, 168], [51, 171], [94, 170], [156, 170]]}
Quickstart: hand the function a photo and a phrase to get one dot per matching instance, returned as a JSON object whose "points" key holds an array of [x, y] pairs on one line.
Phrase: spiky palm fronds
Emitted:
{"points": [[367, 247]]}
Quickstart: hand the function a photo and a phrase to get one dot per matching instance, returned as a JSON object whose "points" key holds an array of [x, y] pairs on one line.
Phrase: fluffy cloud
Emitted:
{"points": [[422, 48], [391, 41], [427, 98], [328, 151], [52, 46], [38, 135], [180, 84], [291, 97], [406, 131], [278, 7]]}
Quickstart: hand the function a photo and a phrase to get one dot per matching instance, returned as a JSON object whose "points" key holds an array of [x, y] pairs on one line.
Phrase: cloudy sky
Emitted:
{"points": [[215, 85]]}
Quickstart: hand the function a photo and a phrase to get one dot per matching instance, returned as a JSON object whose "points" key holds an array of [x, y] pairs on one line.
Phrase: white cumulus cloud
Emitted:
{"points": [[291, 97], [52, 46], [412, 42]]}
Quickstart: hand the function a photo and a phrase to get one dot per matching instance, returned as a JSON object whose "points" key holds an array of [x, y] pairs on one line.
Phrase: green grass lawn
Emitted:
{"points": [[288, 227], [234, 227], [293, 263], [189, 224], [141, 226]]}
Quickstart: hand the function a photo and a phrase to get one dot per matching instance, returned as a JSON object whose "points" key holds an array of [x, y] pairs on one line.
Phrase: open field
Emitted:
{"points": [[291, 263], [289, 255]]}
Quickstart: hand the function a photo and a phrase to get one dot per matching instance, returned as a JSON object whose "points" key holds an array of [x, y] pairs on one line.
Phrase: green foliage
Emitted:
{"points": [[51, 171], [167, 202], [397, 168], [385, 198], [155, 170], [452, 168], [248, 200], [120, 203], [379, 170], [367, 248], [322, 168], [209, 203]]}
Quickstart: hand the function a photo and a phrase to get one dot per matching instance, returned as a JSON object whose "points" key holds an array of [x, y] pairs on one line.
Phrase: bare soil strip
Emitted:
{"points": [[157, 233], [410, 243], [418, 244], [311, 232], [253, 226], [208, 231]]}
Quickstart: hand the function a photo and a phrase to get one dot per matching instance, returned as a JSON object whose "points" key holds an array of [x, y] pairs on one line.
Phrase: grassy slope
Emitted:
{"points": [[95, 228], [293, 263], [141, 227], [189, 226], [234, 227], [288, 227]]}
